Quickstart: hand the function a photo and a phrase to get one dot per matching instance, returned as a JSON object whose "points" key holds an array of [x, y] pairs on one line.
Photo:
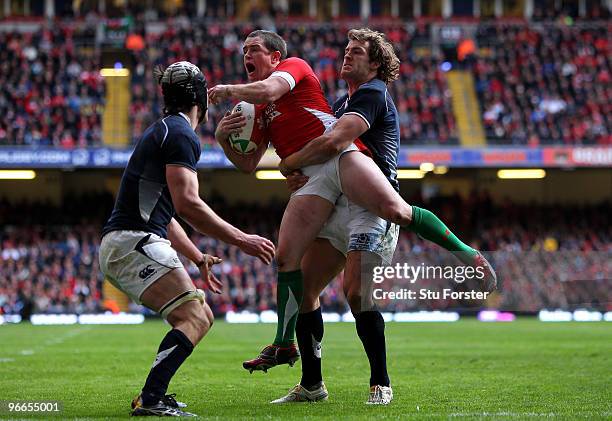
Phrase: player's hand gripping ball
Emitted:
{"points": [[246, 140]]}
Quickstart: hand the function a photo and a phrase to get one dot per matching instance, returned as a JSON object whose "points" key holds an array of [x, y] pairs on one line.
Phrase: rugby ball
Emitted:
{"points": [[246, 141]]}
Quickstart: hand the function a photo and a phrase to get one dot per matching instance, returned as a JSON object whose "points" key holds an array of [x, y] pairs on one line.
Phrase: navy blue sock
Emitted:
{"points": [[309, 332], [371, 330], [173, 351]]}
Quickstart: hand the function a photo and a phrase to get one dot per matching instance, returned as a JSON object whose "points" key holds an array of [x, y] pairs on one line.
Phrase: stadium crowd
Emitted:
{"points": [[421, 93], [536, 83], [545, 256], [550, 84], [51, 89]]}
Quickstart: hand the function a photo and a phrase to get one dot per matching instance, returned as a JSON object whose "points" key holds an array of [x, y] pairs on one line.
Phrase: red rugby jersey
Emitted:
{"points": [[300, 115]]}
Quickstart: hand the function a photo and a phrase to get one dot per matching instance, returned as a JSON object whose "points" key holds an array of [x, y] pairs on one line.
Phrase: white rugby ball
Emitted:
{"points": [[246, 141]]}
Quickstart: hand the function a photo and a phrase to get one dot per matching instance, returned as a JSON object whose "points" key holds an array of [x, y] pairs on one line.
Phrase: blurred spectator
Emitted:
{"points": [[546, 256], [421, 94], [51, 92], [537, 83], [545, 84]]}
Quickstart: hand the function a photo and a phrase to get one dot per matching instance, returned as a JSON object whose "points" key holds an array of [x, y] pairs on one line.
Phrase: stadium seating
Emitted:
{"points": [[554, 87], [426, 115], [52, 92], [546, 256], [545, 84]]}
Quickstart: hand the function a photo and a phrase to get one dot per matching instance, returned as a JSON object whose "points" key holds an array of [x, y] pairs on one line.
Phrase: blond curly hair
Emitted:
{"points": [[380, 51]]}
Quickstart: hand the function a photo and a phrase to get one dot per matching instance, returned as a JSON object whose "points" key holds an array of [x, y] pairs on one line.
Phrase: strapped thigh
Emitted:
{"points": [[169, 307]]}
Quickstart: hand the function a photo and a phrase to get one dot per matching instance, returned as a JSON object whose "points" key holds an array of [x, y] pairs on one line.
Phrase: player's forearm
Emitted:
{"points": [[253, 93], [181, 242], [200, 216], [317, 151]]}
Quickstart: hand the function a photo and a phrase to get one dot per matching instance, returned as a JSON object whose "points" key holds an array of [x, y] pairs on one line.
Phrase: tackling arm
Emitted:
{"points": [[348, 128]]}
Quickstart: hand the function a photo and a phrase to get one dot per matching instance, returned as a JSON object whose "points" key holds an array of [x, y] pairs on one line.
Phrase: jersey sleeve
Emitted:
{"points": [[180, 149], [368, 104], [293, 70]]}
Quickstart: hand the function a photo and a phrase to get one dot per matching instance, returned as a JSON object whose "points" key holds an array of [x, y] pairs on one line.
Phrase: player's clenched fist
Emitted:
{"points": [[257, 246], [218, 93], [296, 180], [230, 123]]}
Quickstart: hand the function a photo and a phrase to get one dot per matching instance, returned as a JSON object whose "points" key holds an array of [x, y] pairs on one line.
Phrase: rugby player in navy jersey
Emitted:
{"points": [[140, 241], [353, 238]]}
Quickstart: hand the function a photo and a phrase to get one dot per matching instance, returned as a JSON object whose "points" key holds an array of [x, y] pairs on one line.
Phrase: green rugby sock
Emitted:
{"points": [[430, 227], [289, 293]]}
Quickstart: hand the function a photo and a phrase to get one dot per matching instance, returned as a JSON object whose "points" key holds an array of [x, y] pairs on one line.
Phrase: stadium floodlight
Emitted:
{"points": [[110, 72], [17, 175], [440, 170], [521, 173], [426, 166], [269, 175], [409, 174]]}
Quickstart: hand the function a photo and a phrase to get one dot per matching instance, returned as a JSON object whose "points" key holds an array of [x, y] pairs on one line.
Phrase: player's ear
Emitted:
{"points": [[276, 57]]}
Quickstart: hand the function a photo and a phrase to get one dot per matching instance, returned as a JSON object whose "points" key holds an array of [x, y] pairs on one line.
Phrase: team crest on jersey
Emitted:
{"points": [[270, 114]]}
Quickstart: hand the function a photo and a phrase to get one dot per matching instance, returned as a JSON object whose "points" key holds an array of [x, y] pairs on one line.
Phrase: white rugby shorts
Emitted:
{"points": [[353, 228], [133, 260]]}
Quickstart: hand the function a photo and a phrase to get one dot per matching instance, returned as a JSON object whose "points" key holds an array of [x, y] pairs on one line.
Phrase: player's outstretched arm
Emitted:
{"points": [[231, 123], [345, 131], [179, 240], [261, 92], [183, 186]]}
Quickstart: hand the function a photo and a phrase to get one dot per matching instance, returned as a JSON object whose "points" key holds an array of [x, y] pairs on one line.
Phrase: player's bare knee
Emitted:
{"points": [[209, 315], [192, 316], [285, 261], [354, 299], [199, 323], [396, 211], [179, 316], [202, 323], [310, 302]]}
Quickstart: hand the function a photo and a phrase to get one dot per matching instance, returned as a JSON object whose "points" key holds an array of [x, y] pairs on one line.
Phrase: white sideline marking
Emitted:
{"points": [[509, 414], [7, 360], [505, 414], [55, 341], [58, 340]]}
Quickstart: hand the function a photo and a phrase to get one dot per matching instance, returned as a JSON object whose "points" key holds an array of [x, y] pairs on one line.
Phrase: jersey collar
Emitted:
{"points": [[185, 117], [367, 81]]}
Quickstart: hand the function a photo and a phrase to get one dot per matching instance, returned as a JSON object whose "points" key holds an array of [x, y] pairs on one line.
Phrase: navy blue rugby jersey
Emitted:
{"points": [[144, 202], [373, 103]]}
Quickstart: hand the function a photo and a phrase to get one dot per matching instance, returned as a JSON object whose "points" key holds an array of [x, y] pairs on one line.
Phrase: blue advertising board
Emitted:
{"points": [[16, 157]]}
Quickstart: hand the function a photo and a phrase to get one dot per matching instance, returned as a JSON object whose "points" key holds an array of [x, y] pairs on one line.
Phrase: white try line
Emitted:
{"points": [[49, 342]]}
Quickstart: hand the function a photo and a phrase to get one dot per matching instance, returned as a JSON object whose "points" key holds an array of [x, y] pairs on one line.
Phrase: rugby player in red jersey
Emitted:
{"points": [[294, 113]]}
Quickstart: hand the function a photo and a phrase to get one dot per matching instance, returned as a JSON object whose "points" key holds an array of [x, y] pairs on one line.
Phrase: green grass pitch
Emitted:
{"points": [[521, 370]]}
